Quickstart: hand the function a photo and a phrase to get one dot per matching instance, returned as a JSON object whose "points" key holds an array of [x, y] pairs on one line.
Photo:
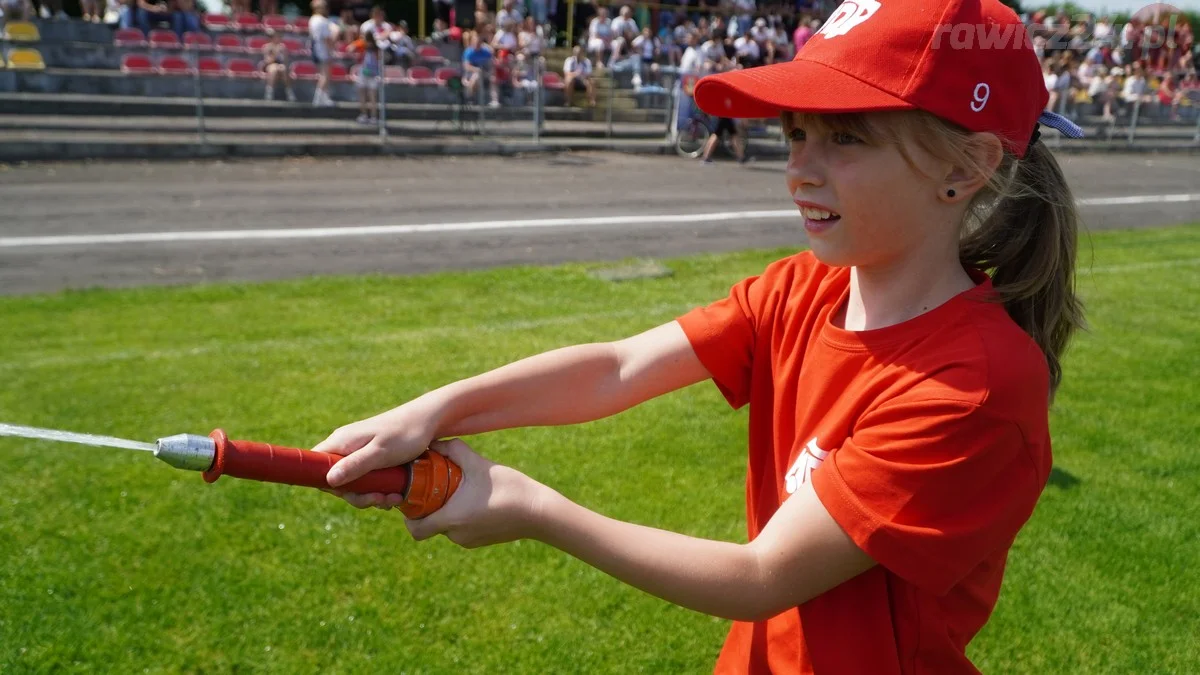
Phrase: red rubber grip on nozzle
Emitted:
{"points": [[426, 482]]}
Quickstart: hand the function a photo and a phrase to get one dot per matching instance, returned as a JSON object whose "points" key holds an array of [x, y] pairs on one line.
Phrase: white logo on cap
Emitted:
{"points": [[848, 15]]}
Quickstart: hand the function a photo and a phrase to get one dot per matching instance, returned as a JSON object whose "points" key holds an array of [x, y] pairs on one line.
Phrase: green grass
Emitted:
{"points": [[111, 561]]}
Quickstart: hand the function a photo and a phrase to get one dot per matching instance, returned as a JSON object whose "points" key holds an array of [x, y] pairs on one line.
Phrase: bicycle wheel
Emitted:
{"points": [[691, 139]]}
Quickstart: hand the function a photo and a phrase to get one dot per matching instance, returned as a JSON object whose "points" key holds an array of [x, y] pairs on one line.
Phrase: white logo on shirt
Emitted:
{"points": [[848, 15], [810, 458]]}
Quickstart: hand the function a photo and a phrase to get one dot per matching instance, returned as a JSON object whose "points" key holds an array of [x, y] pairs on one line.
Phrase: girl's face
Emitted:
{"points": [[863, 204]]}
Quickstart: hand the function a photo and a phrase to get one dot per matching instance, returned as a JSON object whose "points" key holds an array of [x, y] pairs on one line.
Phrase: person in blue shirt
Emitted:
{"points": [[478, 66]]}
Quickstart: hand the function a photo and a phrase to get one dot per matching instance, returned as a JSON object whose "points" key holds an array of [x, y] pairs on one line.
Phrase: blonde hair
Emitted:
{"points": [[1021, 227]]}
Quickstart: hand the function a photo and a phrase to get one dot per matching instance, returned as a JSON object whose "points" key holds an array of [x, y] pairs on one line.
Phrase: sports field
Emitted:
{"points": [[113, 562]]}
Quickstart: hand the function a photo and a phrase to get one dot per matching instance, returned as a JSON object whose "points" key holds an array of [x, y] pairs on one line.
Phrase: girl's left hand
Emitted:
{"points": [[493, 504]]}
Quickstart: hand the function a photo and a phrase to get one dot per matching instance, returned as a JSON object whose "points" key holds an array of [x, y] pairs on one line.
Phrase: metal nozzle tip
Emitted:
{"points": [[186, 451]]}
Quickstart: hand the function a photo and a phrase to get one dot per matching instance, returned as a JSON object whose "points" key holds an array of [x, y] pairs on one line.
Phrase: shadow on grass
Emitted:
{"points": [[1062, 479]]}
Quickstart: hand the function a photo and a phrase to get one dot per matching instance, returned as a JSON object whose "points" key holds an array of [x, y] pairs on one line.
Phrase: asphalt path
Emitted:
{"points": [[123, 224]]}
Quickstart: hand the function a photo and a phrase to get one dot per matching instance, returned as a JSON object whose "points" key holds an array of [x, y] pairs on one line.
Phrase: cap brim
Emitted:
{"points": [[801, 85]]}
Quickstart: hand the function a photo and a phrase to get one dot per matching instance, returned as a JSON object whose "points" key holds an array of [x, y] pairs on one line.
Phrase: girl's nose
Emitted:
{"points": [[805, 166]]}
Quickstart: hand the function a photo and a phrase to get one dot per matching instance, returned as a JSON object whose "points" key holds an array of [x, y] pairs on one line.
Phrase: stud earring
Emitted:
{"points": [[950, 192]]}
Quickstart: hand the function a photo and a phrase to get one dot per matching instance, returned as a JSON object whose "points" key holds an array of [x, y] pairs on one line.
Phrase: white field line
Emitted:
{"points": [[473, 226], [260, 346]]}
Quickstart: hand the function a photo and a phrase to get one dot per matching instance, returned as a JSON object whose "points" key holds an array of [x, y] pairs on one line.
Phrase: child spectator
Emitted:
{"points": [[275, 66], [577, 74]]}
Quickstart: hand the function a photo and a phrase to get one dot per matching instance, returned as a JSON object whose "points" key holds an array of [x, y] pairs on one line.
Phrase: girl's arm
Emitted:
{"points": [[570, 385], [564, 386], [801, 553]]}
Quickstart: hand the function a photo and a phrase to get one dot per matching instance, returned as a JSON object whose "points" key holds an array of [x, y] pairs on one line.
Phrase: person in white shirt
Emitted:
{"points": [[713, 52], [624, 30], [748, 53], [509, 12], [600, 36], [530, 40], [693, 60], [1134, 89], [647, 47], [321, 31], [577, 75]]}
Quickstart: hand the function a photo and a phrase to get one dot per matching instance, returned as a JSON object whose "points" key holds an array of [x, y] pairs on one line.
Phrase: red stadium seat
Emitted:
{"points": [[211, 67], [421, 75], [217, 22], [300, 24], [552, 80], [394, 74], [163, 39], [243, 68], [430, 54], [200, 42], [247, 22], [337, 73], [304, 70], [444, 74], [276, 22], [229, 44], [136, 64], [296, 47], [255, 43], [174, 65], [129, 38]]}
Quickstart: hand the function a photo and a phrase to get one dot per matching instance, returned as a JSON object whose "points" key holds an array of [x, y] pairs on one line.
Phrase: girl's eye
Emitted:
{"points": [[796, 135], [842, 138]]}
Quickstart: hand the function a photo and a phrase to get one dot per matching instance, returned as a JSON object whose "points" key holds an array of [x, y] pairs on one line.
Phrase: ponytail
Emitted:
{"points": [[1025, 236]]}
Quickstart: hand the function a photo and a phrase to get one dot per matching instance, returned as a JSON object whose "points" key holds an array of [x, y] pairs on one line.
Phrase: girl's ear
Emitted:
{"points": [[985, 152]]}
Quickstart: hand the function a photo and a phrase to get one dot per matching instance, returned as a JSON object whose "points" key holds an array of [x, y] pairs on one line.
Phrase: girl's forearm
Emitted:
{"points": [[717, 578], [564, 386]]}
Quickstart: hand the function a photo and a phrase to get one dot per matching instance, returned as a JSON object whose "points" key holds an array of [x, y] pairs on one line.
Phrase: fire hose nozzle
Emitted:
{"points": [[426, 482], [187, 451]]}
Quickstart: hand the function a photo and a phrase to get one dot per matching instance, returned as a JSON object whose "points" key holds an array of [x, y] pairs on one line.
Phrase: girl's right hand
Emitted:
{"points": [[388, 439]]}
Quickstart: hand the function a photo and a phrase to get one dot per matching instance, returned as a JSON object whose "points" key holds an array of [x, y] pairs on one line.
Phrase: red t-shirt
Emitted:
{"points": [[927, 441]]}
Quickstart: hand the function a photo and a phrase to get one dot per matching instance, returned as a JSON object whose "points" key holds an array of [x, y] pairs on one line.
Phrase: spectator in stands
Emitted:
{"points": [[403, 48], [479, 69], [647, 48], [1135, 89], [747, 51], [625, 31], [185, 19], [715, 58], [275, 66], [347, 29], [804, 32], [1165, 96], [376, 29], [126, 15], [92, 10], [149, 14], [779, 48], [14, 10], [320, 31], [530, 41], [509, 12], [671, 49], [692, 61], [1111, 91], [600, 37], [266, 7], [504, 43], [441, 32], [577, 74]]}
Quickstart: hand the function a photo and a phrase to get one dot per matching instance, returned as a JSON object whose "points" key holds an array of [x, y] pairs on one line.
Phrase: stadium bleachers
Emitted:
{"points": [[21, 31], [25, 58]]}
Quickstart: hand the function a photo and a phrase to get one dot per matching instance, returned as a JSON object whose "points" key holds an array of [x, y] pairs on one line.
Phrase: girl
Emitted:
{"points": [[898, 374]]}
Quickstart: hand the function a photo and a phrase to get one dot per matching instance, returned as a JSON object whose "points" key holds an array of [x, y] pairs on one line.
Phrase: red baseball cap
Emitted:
{"points": [[967, 61]]}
